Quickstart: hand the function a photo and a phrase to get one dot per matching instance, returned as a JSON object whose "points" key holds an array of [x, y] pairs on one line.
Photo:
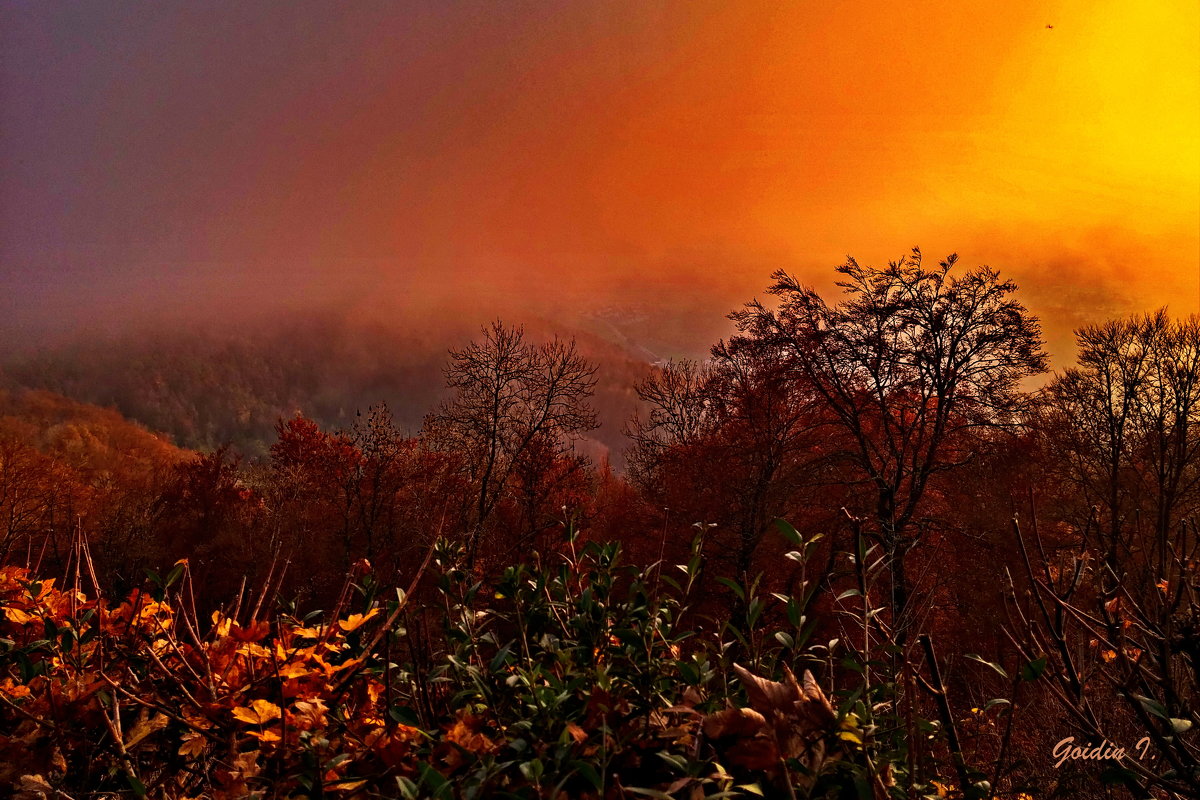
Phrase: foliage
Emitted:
{"points": [[910, 364], [516, 409], [571, 676], [905, 639]]}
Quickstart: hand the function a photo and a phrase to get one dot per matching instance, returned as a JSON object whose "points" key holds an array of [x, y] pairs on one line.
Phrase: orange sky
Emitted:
{"points": [[595, 152]]}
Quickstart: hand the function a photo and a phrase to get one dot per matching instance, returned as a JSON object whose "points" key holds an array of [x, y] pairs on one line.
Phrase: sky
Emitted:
{"points": [[220, 158]]}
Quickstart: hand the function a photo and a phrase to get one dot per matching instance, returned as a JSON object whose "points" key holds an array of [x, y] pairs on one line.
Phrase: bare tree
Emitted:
{"points": [[679, 397], [1124, 426], [909, 364], [510, 395], [375, 476], [32, 489], [732, 429]]}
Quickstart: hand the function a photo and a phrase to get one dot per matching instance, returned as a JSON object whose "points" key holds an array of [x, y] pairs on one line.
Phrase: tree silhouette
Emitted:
{"points": [[510, 397], [728, 441], [910, 363], [1122, 425]]}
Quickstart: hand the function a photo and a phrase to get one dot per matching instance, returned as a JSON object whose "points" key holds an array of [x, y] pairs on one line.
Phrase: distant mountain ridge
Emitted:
{"points": [[208, 386]]}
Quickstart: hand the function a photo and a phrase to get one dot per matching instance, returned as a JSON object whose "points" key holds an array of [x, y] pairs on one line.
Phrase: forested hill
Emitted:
{"points": [[211, 386]]}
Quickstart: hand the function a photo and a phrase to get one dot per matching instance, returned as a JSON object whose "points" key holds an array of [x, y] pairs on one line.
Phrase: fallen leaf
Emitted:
{"points": [[193, 745], [145, 726]]}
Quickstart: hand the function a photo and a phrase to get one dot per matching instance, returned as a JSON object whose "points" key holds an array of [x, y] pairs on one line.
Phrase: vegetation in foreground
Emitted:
{"points": [[983, 581], [572, 676]]}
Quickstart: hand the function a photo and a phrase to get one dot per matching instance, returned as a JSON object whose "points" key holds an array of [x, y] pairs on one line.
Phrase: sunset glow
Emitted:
{"points": [[410, 150], [585, 400]]}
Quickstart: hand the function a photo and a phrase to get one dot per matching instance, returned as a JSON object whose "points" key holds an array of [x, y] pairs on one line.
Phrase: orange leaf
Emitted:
{"points": [[465, 733], [259, 712], [348, 786], [18, 616], [757, 753], [193, 745], [13, 690], [221, 623], [739, 722], [293, 669], [309, 714], [254, 632], [356, 621]]}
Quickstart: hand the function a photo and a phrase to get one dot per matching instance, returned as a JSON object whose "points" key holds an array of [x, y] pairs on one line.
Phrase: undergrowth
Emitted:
{"points": [[572, 675]]}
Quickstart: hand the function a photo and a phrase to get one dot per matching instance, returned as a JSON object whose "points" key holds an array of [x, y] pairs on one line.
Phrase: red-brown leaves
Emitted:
{"points": [[465, 738], [734, 722], [787, 719]]}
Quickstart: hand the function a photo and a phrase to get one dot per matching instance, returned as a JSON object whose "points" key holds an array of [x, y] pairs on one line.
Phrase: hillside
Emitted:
{"points": [[212, 386], [93, 440], [62, 461]]}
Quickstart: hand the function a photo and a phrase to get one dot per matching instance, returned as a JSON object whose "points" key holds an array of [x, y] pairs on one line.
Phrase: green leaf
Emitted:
{"points": [[1152, 706], [173, 576], [500, 657], [850, 663], [1034, 669], [849, 593], [648, 792], [999, 669], [789, 533], [408, 789], [432, 778], [674, 760], [735, 587], [1117, 775], [588, 772], [795, 618], [532, 770], [405, 716]]}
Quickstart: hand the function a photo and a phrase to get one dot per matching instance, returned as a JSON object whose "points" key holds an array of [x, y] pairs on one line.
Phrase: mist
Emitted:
{"points": [[193, 164]]}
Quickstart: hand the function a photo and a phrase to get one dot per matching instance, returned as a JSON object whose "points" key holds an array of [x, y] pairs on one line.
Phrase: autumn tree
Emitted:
{"points": [[310, 488], [376, 477], [1114, 587], [730, 441], [208, 514], [1123, 427], [34, 492], [909, 364], [397, 490], [512, 400]]}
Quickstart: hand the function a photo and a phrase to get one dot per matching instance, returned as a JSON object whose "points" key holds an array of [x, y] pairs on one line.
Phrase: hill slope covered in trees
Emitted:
{"points": [[213, 386]]}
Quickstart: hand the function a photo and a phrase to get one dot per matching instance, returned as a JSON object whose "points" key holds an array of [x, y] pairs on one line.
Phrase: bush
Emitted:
{"points": [[570, 676]]}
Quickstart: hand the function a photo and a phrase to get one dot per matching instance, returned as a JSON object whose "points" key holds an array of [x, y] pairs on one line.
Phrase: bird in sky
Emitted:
{"points": [[1050, 27]]}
